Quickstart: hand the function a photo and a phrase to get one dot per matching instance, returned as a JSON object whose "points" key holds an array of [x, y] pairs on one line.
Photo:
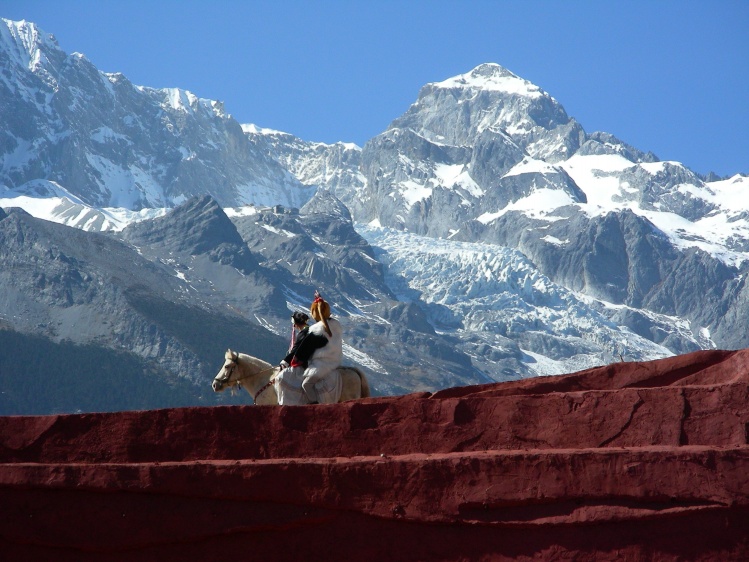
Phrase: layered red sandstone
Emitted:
{"points": [[632, 461]]}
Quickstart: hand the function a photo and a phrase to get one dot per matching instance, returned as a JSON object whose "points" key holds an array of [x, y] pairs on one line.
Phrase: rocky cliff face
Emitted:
{"points": [[175, 291], [85, 289], [631, 461], [100, 139], [487, 157]]}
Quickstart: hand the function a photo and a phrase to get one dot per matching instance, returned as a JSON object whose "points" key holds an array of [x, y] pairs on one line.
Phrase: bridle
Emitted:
{"points": [[238, 381]]}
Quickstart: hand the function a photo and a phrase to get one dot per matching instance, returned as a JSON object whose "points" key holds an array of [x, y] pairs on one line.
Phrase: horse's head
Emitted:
{"points": [[228, 373]]}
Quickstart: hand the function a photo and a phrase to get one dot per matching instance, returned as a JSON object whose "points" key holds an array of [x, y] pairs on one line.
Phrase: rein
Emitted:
{"points": [[238, 380]]}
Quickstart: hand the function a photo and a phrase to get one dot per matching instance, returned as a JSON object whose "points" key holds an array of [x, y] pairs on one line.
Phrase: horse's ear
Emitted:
{"points": [[235, 356], [228, 354]]}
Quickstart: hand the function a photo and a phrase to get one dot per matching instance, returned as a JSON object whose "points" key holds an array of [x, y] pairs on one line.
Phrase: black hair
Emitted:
{"points": [[300, 318]]}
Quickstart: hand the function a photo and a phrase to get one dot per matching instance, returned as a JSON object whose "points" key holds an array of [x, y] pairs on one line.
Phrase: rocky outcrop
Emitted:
{"points": [[632, 461]]}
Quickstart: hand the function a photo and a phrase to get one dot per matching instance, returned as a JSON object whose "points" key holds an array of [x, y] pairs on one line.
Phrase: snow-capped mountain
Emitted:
{"points": [[312, 163], [484, 235], [487, 157], [71, 131]]}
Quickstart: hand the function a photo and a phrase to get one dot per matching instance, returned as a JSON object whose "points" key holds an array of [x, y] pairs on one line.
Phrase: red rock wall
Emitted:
{"points": [[633, 461]]}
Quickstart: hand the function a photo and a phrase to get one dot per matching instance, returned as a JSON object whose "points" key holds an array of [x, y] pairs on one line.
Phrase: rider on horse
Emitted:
{"points": [[308, 374]]}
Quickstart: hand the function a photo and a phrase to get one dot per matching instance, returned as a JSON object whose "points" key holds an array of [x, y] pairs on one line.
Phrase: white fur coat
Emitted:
{"points": [[327, 358]]}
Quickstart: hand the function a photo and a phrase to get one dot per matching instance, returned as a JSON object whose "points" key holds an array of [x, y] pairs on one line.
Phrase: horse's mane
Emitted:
{"points": [[245, 359]]}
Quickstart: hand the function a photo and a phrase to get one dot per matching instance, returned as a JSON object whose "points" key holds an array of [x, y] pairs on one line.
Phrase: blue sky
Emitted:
{"points": [[667, 76]]}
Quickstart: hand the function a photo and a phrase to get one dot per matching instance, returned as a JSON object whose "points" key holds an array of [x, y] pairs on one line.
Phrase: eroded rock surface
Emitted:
{"points": [[632, 461]]}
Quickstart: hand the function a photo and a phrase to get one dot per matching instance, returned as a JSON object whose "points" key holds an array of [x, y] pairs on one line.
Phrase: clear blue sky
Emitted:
{"points": [[670, 76]]}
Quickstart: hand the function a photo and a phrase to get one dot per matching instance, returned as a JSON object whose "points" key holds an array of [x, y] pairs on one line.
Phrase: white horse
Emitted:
{"points": [[256, 377]]}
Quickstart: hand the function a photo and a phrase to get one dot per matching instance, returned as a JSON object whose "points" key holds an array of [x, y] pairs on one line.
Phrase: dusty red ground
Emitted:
{"points": [[634, 461]]}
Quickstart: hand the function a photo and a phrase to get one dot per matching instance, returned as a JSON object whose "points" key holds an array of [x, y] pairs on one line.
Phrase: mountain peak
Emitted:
{"points": [[492, 77], [27, 32], [196, 226], [26, 42], [184, 101], [325, 203], [491, 70]]}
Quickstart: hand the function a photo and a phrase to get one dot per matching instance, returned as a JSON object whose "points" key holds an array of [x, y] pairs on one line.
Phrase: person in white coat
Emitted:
{"points": [[322, 382], [309, 374]]}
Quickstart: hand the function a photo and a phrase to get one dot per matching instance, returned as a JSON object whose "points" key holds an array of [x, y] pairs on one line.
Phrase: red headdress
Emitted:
{"points": [[317, 306]]}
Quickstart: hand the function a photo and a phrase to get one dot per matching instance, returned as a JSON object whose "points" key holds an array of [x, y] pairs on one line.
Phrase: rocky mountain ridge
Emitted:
{"points": [[487, 157], [484, 235], [69, 128]]}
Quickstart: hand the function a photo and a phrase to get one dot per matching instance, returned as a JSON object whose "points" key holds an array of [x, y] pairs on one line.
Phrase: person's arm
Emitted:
{"points": [[308, 345], [286, 361]]}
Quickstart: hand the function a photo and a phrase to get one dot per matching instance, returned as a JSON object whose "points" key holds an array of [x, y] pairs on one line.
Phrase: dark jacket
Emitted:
{"points": [[304, 347]]}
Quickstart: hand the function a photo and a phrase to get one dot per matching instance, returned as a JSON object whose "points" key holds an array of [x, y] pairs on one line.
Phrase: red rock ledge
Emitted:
{"points": [[632, 461]]}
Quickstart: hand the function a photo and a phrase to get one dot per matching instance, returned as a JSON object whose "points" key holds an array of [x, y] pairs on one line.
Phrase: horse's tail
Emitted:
{"points": [[365, 393]]}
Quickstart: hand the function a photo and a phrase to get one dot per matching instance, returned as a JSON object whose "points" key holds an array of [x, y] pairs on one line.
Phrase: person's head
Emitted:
{"points": [[299, 319], [320, 311]]}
